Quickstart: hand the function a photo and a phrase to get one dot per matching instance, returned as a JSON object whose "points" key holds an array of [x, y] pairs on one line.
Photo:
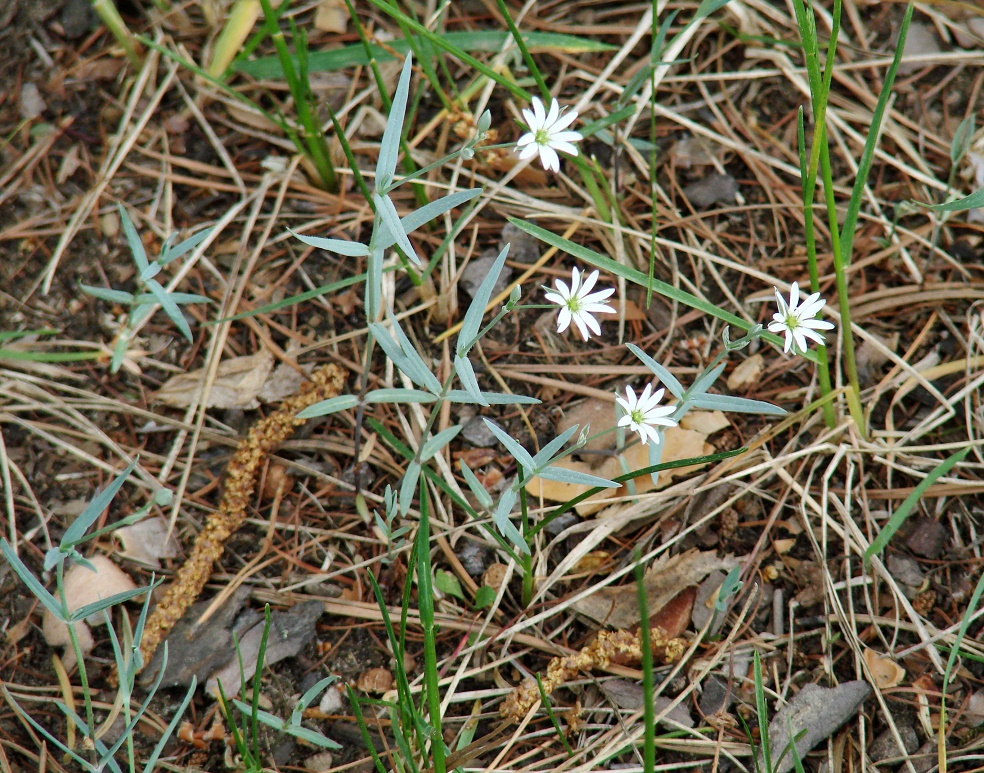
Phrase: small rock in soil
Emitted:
{"points": [[926, 538], [474, 557], [716, 696], [523, 248], [477, 433], [817, 710], [886, 747], [77, 18], [712, 189], [476, 271]]}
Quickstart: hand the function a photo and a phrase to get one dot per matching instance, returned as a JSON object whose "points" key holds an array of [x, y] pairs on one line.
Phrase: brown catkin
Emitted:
{"points": [[240, 480]]}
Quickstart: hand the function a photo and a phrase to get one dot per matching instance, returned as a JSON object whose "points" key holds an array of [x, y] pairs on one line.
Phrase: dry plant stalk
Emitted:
{"points": [[241, 473], [598, 654]]}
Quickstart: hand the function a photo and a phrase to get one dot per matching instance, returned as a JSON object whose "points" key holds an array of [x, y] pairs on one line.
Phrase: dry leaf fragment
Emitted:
{"points": [[885, 672], [619, 607], [84, 586], [747, 373], [237, 384], [331, 16], [147, 541]]}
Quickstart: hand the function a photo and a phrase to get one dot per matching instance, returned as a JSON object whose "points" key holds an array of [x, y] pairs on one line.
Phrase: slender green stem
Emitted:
{"points": [[425, 606], [526, 559], [645, 644], [843, 295], [524, 50]]}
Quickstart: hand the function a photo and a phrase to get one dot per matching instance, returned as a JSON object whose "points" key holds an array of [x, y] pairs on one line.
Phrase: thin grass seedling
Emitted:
{"points": [[151, 292], [879, 543], [648, 685]]}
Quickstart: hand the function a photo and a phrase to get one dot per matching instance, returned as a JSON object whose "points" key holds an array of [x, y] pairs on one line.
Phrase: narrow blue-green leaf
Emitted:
{"points": [[34, 585], [389, 146], [879, 543], [666, 378], [338, 246], [173, 724], [562, 475], [400, 396], [408, 486], [108, 294], [481, 493], [427, 379], [391, 219], [705, 381], [505, 525], [392, 349], [490, 398], [962, 138], [466, 375], [656, 457], [519, 453], [329, 406], [172, 309], [736, 405], [189, 298], [77, 529], [428, 212], [374, 283], [110, 601], [438, 441], [312, 737], [476, 311], [973, 201], [133, 240], [551, 449], [171, 253]]}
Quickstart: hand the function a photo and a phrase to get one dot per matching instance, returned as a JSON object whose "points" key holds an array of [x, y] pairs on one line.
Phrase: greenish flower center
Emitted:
{"points": [[638, 417], [574, 304], [541, 137], [792, 321]]}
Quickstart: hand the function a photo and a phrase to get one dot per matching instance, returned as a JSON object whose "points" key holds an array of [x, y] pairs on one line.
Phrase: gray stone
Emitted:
{"points": [[476, 271], [819, 711], [523, 248], [477, 433], [886, 747]]}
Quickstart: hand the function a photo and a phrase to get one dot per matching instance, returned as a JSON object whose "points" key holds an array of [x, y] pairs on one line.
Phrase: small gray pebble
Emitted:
{"points": [[474, 557], [716, 696], [523, 248], [558, 524], [77, 18], [478, 433], [712, 189], [885, 746], [476, 271]]}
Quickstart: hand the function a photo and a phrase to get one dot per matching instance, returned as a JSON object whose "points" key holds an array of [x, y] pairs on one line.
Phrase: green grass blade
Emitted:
{"points": [[879, 543]]}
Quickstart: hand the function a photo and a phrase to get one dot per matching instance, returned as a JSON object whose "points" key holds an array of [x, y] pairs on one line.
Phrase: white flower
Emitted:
{"points": [[547, 134], [578, 303], [798, 320], [644, 413]]}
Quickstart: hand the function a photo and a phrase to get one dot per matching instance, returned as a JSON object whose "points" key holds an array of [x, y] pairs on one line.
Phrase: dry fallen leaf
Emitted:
{"points": [[237, 384], [84, 586], [331, 16], [678, 443], [619, 607], [747, 373], [147, 541], [885, 672]]}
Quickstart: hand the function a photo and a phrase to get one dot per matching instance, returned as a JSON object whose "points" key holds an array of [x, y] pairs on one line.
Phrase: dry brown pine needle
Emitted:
{"points": [[598, 654], [240, 480]]}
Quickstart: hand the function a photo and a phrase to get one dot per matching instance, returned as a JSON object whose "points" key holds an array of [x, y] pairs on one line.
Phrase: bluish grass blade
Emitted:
{"points": [[476, 311], [389, 146]]}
